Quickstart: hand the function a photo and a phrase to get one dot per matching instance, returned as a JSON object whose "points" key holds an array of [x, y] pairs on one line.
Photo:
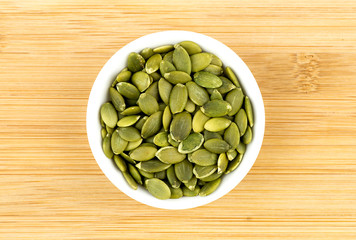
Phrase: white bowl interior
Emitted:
{"points": [[99, 95]]}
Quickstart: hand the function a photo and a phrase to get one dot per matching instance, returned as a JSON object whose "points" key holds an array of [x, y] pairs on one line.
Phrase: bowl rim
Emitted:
{"points": [[109, 70]]}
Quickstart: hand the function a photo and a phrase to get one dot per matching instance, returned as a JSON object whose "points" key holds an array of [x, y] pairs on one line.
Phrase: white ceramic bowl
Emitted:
{"points": [[99, 95]]}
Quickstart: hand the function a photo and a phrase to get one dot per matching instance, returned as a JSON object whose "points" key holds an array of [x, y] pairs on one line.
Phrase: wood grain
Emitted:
{"points": [[303, 56]]}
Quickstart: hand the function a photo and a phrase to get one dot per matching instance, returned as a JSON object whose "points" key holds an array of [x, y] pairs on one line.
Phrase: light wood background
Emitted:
{"points": [[303, 55]]}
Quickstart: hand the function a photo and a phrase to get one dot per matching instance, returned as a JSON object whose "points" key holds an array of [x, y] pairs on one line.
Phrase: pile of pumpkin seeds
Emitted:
{"points": [[177, 121]]}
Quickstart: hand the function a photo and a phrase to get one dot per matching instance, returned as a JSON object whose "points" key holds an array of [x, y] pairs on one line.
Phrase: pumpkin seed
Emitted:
{"points": [[158, 188], [178, 98], [210, 135], [217, 124], [184, 171], [191, 143], [231, 75], [148, 104], [163, 49], [144, 152], [189, 106], [152, 64], [226, 86], [217, 145], [166, 118], [249, 112], [197, 94], [141, 80], [150, 140], [161, 139], [232, 135], [207, 80], [213, 69], [170, 155], [128, 121], [181, 59], [117, 100], [160, 175], [199, 121], [155, 76], [209, 188], [146, 53], [153, 90], [216, 108], [241, 148], [123, 76], [107, 146], [152, 166], [146, 174], [129, 134], [128, 90], [120, 163], [109, 114], [234, 164], [204, 157], [189, 193], [131, 111], [140, 123], [247, 137], [168, 57], [241, 121], [172, 179], [152, 125], [135, 62], [222, 163], [171, 141], [200, 61], [190, 47], [203, 171], [235, 97], [109, 130], [103, 132], [216, 95], [127, 158], [135, 174], [133, 144], [164, 89], [212, 177], [176, 77], [181, 126], [166, 67], [118, 144], [191, 184], [176, 193], [129, 179], [231, 154]]}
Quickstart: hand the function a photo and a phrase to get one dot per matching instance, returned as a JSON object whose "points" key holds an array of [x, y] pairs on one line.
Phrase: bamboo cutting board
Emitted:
{"points": [[303, 55]]}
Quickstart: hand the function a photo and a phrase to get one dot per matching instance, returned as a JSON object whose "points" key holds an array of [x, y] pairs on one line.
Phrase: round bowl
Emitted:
{"points": [[99, 94]]}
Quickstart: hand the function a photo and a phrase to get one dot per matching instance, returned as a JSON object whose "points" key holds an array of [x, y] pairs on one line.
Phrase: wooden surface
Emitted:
{"points": [[303, 55]]}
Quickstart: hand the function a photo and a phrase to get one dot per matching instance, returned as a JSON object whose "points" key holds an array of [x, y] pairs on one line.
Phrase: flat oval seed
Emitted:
{"points": [[216, 61], [153, 91], [176, 193], [161, 139], [128, 121], [135, 174], [210, 135], [199, 121], [140, 123], [200, 61], [152, 64], [118, 144], [120, 163], [164, 89], [172, 179], [241, 148], [232, 135], [181, 59], [212, 177], [163, 49], [123, 76], [129, 134], [217, 145], [135, 62], [166, 118], [127, 158], [146, 53], [141, 80], [170, 155], [226, 86], [171, 141], [131, 110], [231, 154], [217, 124], [203, 157], [107, 146], [158, 188], [241, 121], [109, 114], [191, 184], [189, 106], [249, 112], [134, 144], [247, 137], [160, 175], [166, 67], [222, 163], [189, 193], [231, 75], [234, 164], [181, 126], [152, 125], [144, 152], [216, 108], [197, 94], [190, 47], [193, 142], [178, 98], [146, 174], [148, 104], [209, 188], [103, 132], [168, 57], [203, 171], [235, 98], [129, 179], [176, 77], [128, 90], [213, 69], [184, 170], [152, 166], [216, 95], [117, 100], [207, 80]]}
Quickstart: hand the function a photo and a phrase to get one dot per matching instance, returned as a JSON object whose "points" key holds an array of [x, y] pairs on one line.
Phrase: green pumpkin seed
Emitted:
{"points": [[176, 193], [155, 76], [150, 140], [200, 61], [132, 145], [217, 124], [118, 144], [153, 91], [207, 80], [231, 154], [192, 183], [128, 90], [117, 100], [217, 145], [158, 188], [131, 111], [213, 69], [123, 76], [216, 95], [109, 115], [184, 171], [152, 125], [212, 177], [232, 135], [190, 47], [241, 121], [141, 80], [144, 152], [128, 121], [103, 132], [129, 134], [189, 193], [127, 158], [107, 146], [146, 53], [204, 158], [152, 166], [120, 163], [231, 75], [199, 121], [166, 67], [169, 155], [176, 77], [222, 163], [216, 108], [171, 141], [172, 179], [152, 64], [178, 98], [209, 188], [181, 126], [226, 86], [203, 171], [197, 94], [193, 142], [148, 104], [241, 148], [135, 174], [210, 135], [189, 106], [164, 89], [163, 49], [168, 57], [161, 139], [160, 175], [234, 164], [181, 59], [247, 137], [109, 130], [130, 180], [146, 174], [235, 97], [216, 61], [140, 123], [249, 112], [135, 62], [166, 118]]}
